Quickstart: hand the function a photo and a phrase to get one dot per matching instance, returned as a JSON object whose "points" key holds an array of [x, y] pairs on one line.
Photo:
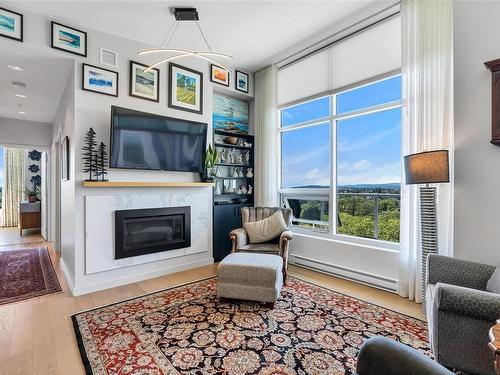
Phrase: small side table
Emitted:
{"points": [[29, 216], [495, 344]]}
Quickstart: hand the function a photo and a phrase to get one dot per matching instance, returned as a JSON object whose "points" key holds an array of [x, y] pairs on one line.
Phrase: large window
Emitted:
{"points": [[345, 148]]}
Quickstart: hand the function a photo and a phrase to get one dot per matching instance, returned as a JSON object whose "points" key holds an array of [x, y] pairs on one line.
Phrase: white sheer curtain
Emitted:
{"points": [[266, 158], [427, 67], [13, 185]]}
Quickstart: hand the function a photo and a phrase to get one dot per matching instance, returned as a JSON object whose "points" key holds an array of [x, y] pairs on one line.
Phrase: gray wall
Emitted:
{"points": [[25, 133], [477, 162]]}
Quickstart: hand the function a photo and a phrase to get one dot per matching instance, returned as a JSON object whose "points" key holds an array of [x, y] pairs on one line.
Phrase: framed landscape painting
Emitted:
{"points": [[144, 85], [219, 75], [67, 39], [241, 81], [230, 114], [102, 81], [185, 89], [11, 24]]}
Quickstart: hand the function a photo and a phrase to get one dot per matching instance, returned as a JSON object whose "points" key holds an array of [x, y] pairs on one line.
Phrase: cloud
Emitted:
{"points": [[313, 176], [346, 146], [361, 165], [315, 153], [383, 174]]}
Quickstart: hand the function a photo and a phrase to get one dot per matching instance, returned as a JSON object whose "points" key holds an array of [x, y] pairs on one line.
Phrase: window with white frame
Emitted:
{"points": [[341, 151]]}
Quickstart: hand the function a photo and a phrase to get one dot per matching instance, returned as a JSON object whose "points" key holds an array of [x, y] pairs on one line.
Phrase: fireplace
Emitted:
{"points": [[151, 230]]}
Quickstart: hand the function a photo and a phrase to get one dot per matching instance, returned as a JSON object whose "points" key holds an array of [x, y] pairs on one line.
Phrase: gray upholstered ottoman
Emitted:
{"points": [[254, 277]]}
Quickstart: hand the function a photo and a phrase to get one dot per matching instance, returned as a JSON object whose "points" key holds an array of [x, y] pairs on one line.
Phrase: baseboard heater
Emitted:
{"points": [[379, 282]]}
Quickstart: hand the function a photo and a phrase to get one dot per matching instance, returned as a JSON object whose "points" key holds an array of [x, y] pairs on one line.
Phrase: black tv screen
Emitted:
{"points": [[142, 140]]}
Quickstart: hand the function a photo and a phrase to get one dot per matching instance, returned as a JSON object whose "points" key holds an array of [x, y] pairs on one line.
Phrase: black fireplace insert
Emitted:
{"points": [[151, 230]]}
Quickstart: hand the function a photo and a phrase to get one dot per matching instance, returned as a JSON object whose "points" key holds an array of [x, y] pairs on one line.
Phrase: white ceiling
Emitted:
{"points": [[254, 32], [45, 78]]}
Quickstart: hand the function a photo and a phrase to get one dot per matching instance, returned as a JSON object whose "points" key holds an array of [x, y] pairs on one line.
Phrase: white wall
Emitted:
{"points": [[477, 162], [25, 133], [64, 125]]}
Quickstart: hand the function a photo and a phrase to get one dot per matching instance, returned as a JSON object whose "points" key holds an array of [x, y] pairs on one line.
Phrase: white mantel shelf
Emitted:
{"points": [[142, 184]]}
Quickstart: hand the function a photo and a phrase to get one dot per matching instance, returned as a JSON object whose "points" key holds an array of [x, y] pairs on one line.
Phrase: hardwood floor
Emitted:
{"points": [[10, 236], [37, 338]]}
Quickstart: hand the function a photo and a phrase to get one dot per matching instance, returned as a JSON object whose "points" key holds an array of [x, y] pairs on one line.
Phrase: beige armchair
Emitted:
{"points": [[279, 246]]}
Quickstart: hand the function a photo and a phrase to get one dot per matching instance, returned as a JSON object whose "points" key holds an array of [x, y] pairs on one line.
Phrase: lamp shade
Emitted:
{"points": [[427, 167]]}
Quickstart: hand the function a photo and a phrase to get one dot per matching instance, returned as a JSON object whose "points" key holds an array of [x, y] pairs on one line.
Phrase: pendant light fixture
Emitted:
{"points": [[183, 14]]}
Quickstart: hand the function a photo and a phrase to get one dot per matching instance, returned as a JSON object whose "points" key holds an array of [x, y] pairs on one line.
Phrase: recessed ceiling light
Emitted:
{"points": [[21, 112], [19, 85], [17, 68], [21, 96]]}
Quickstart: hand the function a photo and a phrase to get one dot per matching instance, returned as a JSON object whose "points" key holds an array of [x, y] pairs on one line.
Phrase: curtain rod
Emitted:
{"points": [[302, 53]]}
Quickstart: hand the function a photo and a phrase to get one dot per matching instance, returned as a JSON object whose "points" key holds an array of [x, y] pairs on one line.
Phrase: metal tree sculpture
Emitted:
{"points": [[89, 154], [102, 162]]}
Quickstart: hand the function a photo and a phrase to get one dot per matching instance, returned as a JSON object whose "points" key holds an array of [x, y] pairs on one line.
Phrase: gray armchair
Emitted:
{"points": [[382, 356], [279, 246], [460, 313]]}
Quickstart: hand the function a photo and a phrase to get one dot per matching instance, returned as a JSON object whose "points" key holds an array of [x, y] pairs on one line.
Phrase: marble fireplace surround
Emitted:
{"points": [[99, 225]]}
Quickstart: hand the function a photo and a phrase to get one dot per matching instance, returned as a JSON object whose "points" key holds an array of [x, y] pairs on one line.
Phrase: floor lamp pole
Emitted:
{"points": [[428, 230]]}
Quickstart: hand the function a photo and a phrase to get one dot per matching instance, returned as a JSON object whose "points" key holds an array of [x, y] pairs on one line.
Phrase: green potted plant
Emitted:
{"points": [[211, 159], [32, 195]]}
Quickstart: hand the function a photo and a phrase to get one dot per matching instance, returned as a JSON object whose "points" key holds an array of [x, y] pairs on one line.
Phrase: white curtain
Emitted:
{"points": [[427, 67], [266, 158], [13, 185]]}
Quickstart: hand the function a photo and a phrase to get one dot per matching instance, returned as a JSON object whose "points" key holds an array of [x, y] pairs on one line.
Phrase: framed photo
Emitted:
{"points": [[67, 39], [144, 85], [185, 89], [241, 81], [219, 75], [108, 57], [65, 159], [11, 24], [102, 81]]}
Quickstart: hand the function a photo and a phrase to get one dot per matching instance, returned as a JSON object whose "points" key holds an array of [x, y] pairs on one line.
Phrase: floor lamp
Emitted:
{"points": [[429, 167]]}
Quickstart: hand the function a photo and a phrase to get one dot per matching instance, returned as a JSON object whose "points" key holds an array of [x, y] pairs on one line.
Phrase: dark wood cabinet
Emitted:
{"points": [[226, 218], [494, 67]]}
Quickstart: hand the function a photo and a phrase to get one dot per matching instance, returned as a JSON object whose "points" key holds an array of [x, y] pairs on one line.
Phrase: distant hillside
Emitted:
{"points": [[365, 187], [391, 186]]}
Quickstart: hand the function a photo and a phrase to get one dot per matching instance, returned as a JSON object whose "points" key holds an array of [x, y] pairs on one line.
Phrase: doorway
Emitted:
{"points": [[23, 195]]}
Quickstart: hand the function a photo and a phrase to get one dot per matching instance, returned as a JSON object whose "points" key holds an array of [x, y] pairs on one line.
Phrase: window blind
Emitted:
{"points": [[369, 53]]}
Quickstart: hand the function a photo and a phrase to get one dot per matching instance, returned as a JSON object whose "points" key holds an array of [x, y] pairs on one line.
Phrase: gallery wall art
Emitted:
{"points": [[11, 24], [185, 89], [102, 81], [144, 85], [219, 75], [68, 39], [230, 114]]}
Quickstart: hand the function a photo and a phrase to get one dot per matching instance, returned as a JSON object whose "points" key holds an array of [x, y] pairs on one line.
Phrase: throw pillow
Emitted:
{"points": [[266, 229], [493, 285]]}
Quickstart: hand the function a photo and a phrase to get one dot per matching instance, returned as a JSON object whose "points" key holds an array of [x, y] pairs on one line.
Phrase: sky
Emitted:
{"points": [[368, 147]]}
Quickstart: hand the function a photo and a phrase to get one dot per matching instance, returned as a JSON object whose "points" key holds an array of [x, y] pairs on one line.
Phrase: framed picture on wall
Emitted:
{"points": [[185, 89], [100, 80], [144, 85], [11, 24], [64, 156], [67, 39], [241, 81], [219, 75]]}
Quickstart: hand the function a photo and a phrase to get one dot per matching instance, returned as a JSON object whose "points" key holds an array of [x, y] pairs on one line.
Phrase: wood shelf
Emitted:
{"points": [[127, 184], [227, 145]]}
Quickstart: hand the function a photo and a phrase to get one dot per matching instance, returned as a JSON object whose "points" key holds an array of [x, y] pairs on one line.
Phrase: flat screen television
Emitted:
{"points": [[142, 140]]}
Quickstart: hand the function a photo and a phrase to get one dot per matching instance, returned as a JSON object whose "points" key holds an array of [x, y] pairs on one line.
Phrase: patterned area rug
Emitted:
{"points": [[186, 330], [25, 274]]}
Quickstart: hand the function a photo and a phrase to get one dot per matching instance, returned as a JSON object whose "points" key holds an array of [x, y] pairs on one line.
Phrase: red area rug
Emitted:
{"points": [[186, 330], [25, 274]]}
